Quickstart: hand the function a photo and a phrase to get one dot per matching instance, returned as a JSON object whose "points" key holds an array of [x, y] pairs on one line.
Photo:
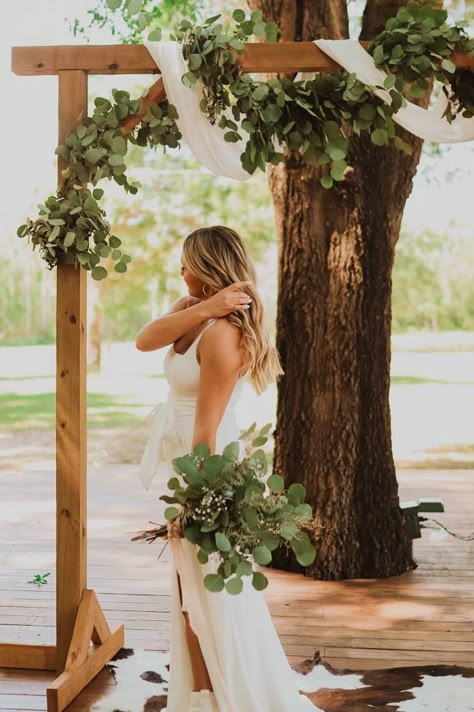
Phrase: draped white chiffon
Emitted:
{"points": [[246, 662], [207, 141]]}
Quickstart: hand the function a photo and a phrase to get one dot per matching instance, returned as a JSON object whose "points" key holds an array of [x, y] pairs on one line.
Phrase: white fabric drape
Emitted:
{"points": [[207, 141], [428, 124]]}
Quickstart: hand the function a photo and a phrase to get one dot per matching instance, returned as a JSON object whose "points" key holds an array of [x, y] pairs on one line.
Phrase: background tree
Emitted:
{"points": [[336, 253]]}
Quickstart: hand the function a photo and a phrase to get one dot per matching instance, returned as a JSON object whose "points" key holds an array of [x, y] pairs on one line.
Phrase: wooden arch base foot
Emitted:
{"points": [[83, 662]]}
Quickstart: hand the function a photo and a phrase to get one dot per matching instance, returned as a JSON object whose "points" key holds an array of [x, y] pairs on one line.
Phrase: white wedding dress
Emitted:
{"points": [[246, 662]]}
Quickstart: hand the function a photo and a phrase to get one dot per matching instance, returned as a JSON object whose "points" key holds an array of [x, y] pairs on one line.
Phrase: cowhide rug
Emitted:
{"points": [[141, 685]]}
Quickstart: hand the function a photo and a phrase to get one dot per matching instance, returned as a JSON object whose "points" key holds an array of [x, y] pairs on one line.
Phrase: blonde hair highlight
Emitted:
{"points": [[217, 255]]}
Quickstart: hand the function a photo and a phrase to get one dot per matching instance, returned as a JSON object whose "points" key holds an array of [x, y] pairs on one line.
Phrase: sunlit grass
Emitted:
{"points": [[416, 380], [37, 411]]}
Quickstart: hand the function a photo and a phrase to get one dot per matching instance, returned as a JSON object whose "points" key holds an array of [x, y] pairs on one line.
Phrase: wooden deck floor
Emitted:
{"points": [[425, 616]]}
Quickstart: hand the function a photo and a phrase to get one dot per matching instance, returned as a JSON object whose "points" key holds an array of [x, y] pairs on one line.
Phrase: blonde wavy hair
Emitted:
{"points": [[217, 255]]}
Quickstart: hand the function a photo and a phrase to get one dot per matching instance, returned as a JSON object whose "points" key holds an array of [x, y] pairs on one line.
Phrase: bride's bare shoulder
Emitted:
{"points": [[223, 328], [221, 340]]}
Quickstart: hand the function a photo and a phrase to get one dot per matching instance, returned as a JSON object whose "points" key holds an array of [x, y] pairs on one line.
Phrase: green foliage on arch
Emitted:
{"points": [[313, 118]]}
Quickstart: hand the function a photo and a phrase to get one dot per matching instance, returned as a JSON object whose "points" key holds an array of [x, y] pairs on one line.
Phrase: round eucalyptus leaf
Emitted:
{"points": [[99, 273], [231, 452], [327, 182], [262, 555], [306, 557], [155, 35], [244, 568], [195, 61], [214, 582], [288, 530], [192, 534], [222, 542], [275, 483], [304, 510], [238, 15], [134, 6], [171, 513], [202, 557], [234, 585], [297, 490], [379, 137], [259, 581]]}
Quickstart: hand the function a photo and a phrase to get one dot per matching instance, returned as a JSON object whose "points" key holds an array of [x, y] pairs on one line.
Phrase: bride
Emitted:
{"points": [[225, 653]]}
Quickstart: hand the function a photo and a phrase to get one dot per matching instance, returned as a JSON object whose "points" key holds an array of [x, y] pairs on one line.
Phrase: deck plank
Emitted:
{"points": [[422, 617]]}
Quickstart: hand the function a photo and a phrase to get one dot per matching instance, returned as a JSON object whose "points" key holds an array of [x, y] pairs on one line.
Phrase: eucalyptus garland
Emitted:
{"points": [[279, 117], [72, 227]]}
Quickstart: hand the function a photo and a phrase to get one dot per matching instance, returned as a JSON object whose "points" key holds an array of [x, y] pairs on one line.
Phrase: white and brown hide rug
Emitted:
{"points": [[141, 686]]}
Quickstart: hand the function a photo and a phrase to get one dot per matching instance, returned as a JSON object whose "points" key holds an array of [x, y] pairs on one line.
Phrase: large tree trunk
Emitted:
{"points": [[336, 251]]}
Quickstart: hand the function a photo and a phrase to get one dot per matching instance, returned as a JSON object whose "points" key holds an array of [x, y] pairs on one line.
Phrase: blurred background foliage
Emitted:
{"points": [[433, 286]]}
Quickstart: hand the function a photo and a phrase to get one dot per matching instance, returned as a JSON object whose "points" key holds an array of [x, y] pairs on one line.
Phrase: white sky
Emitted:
{"points": [[28, 126]]}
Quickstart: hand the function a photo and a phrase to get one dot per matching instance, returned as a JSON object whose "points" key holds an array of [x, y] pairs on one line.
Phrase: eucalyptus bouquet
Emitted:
{"points": [[229, 509]]}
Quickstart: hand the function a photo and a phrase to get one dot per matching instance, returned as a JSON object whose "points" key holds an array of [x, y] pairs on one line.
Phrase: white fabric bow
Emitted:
{"points": [[162, 431]]}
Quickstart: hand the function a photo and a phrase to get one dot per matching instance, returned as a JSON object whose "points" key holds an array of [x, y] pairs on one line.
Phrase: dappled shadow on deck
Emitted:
{"points": [[422, 617]]}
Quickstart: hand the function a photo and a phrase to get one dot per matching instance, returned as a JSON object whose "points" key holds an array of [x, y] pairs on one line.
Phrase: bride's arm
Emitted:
{"points": [[221, 361], [185, 314]]}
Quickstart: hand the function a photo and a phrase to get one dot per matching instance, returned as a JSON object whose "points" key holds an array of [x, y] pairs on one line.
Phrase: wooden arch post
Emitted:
{"points": [[79, 618]]}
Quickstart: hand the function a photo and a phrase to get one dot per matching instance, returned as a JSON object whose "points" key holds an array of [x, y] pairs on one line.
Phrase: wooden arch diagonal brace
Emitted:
{"points": [[84, 663]]}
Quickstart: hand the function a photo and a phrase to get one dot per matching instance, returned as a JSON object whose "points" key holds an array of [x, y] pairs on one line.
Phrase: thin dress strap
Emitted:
{"points": [[196, 341]]}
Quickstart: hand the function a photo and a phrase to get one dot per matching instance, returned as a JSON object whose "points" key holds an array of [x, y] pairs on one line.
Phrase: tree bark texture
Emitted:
{"points": [[336, 251]]}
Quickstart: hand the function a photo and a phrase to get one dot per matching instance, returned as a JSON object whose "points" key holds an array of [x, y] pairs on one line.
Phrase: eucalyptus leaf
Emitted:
{"points": [[231, 452], [202, 557], [171, 513], [234, 585], [214, 582], [69, 238], [222, 542], [275, 483], [134, 6], [262, 555], [155, 35], [238, 15], [195, 61], [297, 490], [259, 581], [99, 273]]}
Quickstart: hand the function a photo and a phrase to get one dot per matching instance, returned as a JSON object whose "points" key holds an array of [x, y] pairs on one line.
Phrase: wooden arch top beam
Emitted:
{"points": [[285, 57]]}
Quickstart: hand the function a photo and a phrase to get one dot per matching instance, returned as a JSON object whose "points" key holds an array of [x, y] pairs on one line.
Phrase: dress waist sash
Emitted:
{"points": [[164, 443]]}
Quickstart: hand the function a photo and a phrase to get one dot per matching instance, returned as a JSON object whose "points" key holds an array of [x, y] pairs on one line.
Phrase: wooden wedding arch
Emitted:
{"points": [[79, 617]]}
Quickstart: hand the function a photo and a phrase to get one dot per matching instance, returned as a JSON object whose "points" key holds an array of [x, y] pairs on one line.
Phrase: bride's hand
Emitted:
{"points": [[174, 529], [227, 300]]}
